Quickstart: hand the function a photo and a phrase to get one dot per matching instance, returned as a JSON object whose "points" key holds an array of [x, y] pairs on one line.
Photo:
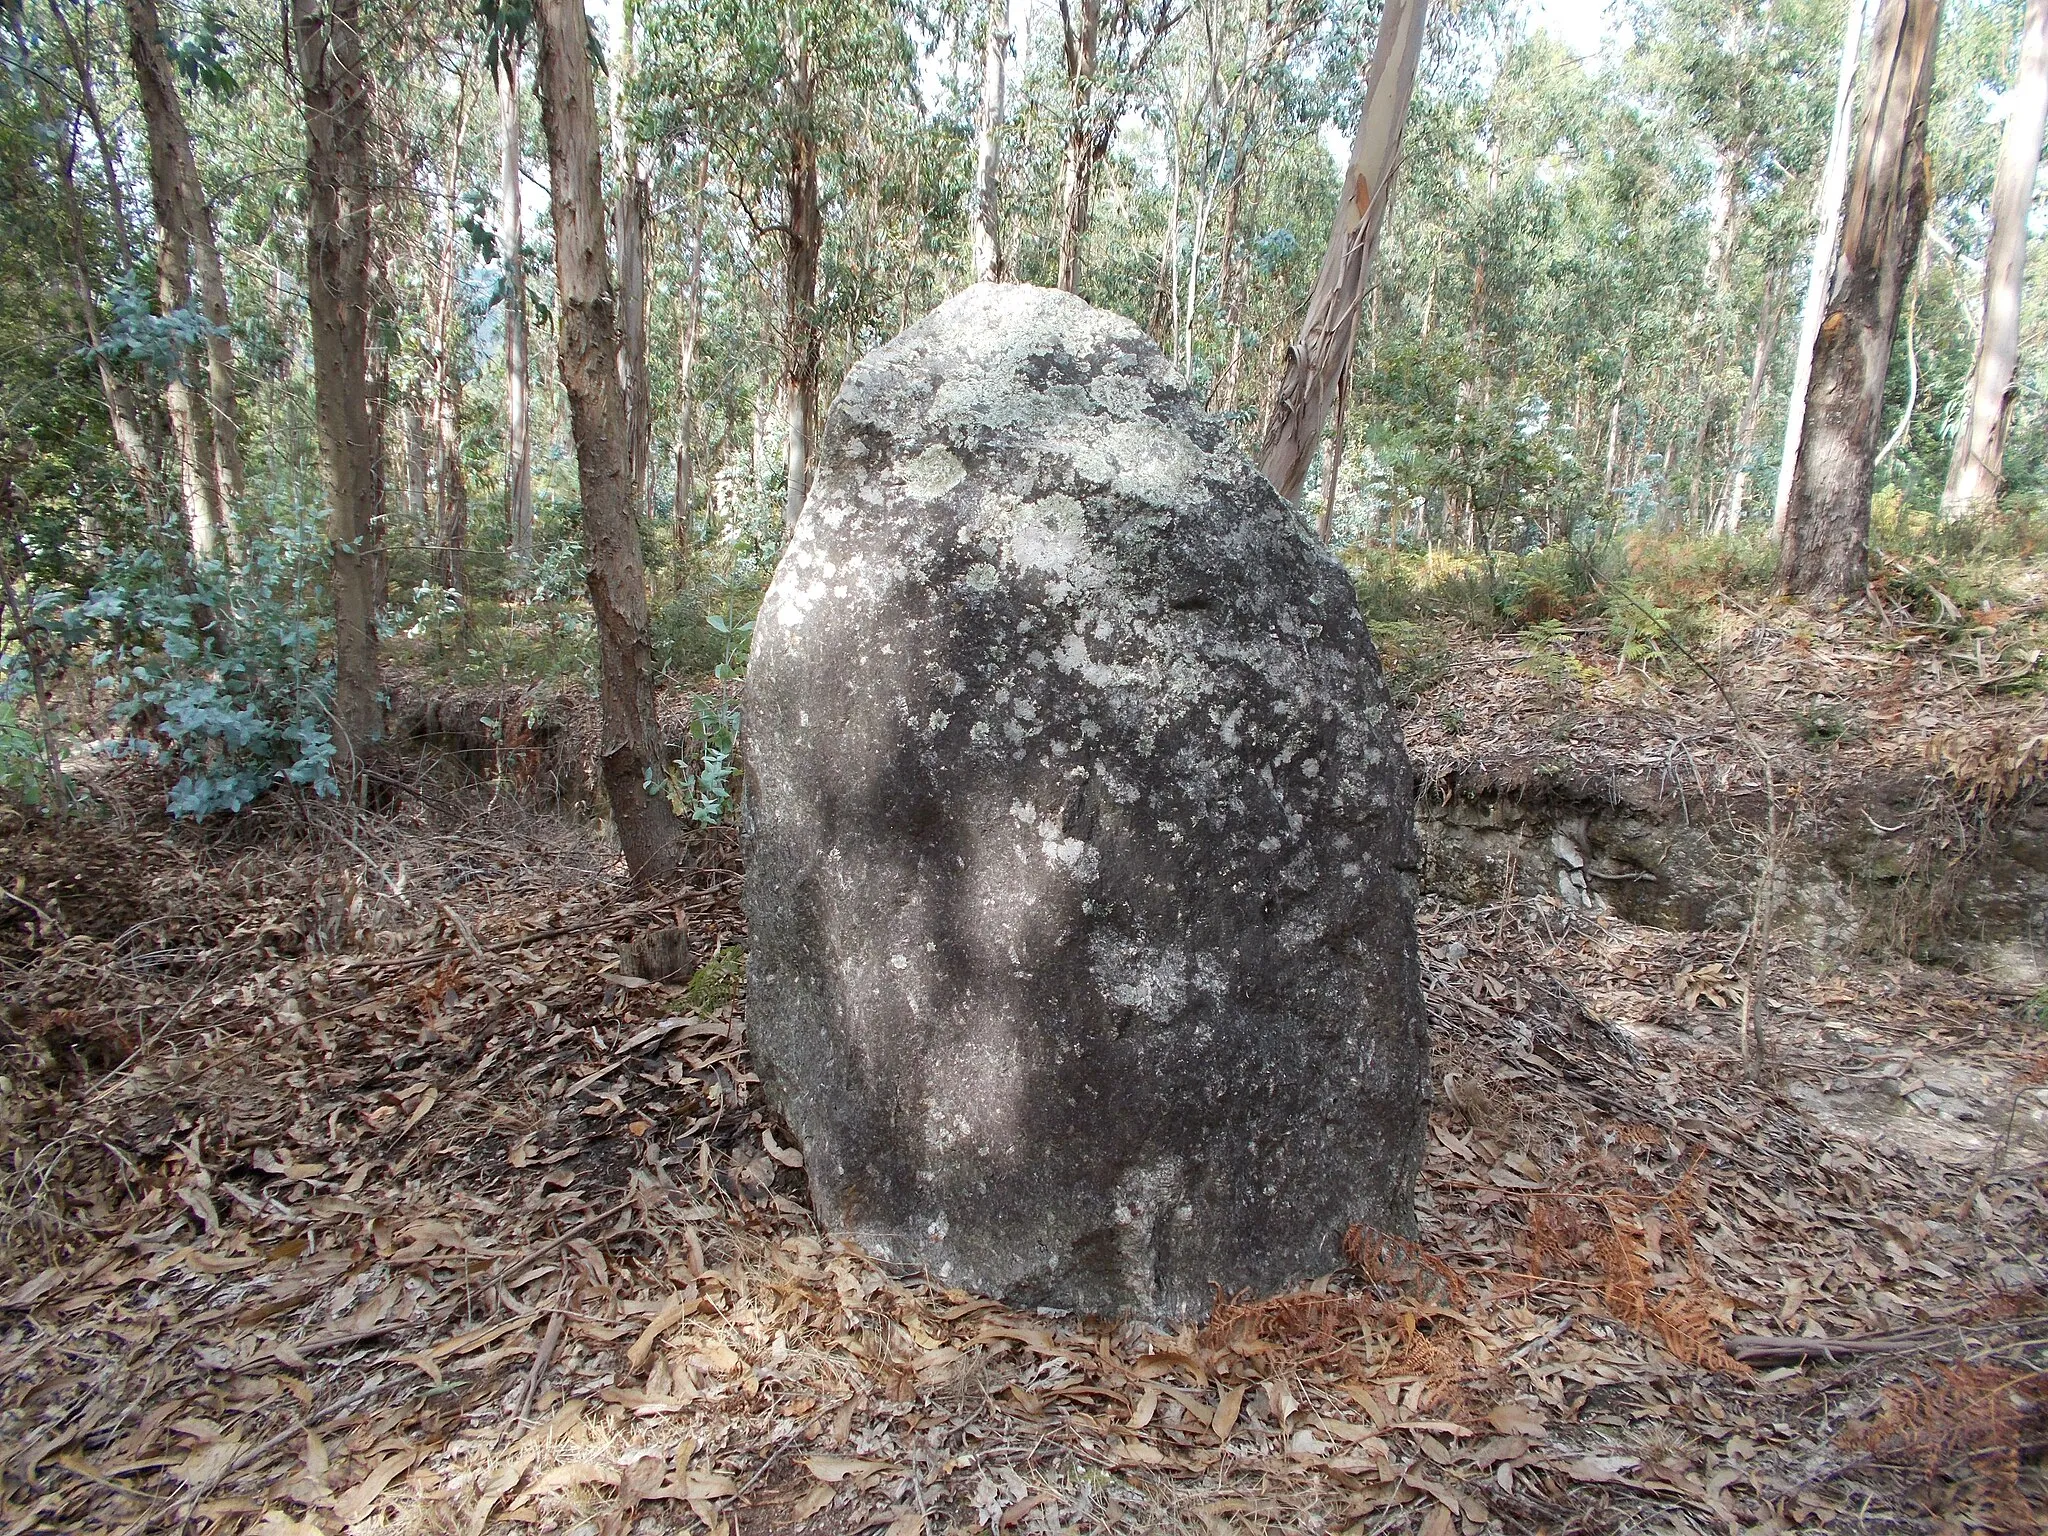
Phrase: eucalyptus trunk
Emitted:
{"points": [[170, 198], [987, 233], [1827, 516], [686, 397], [511, 242], [171, 140], [335, 87], [630, 754], [1752, 408], [1834, 186], [1316, 362], [802, 345], [1083, 37], [451, 481], [1977, 470]]}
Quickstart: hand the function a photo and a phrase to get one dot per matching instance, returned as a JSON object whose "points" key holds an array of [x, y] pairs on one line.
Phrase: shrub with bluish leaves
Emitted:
{"points": [[237, 708]]}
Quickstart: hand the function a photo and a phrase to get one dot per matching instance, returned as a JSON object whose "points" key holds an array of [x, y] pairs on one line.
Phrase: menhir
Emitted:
{"points": [[1080, 871]]}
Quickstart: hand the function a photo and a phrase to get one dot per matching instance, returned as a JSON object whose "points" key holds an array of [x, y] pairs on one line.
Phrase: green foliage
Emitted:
{"points": [[220, 680], [718, 980], [1552, 656], [24, 774], [701, 782]]}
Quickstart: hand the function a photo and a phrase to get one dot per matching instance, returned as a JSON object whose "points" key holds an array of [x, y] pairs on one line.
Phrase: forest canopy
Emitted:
{"points": [[1581, 320]]}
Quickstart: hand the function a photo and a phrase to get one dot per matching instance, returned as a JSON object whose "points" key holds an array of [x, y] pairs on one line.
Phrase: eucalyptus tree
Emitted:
{"points": [[1977, 466], [1827, 514], [202, 418], [505, 59], [630, 753], [778, 92], [1834, 187], [1106, 56], [334, 81], [1319, 362], [986, 237]]}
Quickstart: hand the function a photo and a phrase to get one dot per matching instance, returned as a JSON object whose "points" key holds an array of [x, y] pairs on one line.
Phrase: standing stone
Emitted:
{"points": [[1080, 880]]}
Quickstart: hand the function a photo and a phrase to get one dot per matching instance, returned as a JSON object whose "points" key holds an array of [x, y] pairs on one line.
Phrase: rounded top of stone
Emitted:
{"points": [[993, 327]]}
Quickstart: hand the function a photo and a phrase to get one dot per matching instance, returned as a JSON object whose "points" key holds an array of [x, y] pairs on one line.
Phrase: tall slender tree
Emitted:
{"points": [[629, 247], [686, 394], [987, 225], [1827, 517], [1827, 242], [170, 140], [1317, 361], [511, 252], [170, 190], [1105, 55], [804, 246], [630, 754], [451, 478], [1977, 469], [334, 82]]}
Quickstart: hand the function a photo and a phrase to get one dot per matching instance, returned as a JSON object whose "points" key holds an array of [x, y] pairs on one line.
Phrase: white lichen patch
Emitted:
{"points": [[932, 473]]}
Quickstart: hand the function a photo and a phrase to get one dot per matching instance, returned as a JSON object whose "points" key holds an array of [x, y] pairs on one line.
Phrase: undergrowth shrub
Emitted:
{"points": [[220, 679]]}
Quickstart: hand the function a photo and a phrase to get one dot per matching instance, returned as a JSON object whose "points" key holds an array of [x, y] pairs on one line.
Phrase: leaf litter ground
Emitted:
{"points": [[352, 1185]]}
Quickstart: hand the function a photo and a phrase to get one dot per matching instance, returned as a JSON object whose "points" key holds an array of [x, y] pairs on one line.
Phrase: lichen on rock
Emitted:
{"points": [[1080, 852]]}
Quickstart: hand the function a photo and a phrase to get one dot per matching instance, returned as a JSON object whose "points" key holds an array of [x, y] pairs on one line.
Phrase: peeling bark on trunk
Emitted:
{"points": [[1328, 516], [1077, 165], [184, 398], [987, 232], [191, 226], [1319, 358], [336, 87], [802, 346], [1827, 517], [511, 242], [630, 752], [1834, 186], [1977, 469]]}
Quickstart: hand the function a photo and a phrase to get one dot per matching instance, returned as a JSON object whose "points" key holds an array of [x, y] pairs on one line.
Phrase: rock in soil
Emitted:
{"points": [[1081, 866]]}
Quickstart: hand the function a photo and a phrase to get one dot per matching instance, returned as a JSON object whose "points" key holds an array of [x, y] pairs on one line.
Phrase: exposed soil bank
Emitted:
{"points": [[1877, 867]]}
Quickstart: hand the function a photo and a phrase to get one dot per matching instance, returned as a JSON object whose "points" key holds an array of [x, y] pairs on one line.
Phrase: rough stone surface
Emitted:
{"points": [[1081, 857]]}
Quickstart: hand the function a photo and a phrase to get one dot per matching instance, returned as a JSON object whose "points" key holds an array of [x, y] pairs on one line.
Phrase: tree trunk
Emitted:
{"points": [[686, 398], [416, 470], [802, 354], [1978, 467], [1077, 168], [336, 89], [169, 137], [1827, 517], [629, 247], [1834, 186], [170, 195], [451, 483], [1752, 407], [987, 233], [1328, 515], [630, 751], [124, 415], [511, 242], [88, 99], [1224, 394], [1317, 360]]}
